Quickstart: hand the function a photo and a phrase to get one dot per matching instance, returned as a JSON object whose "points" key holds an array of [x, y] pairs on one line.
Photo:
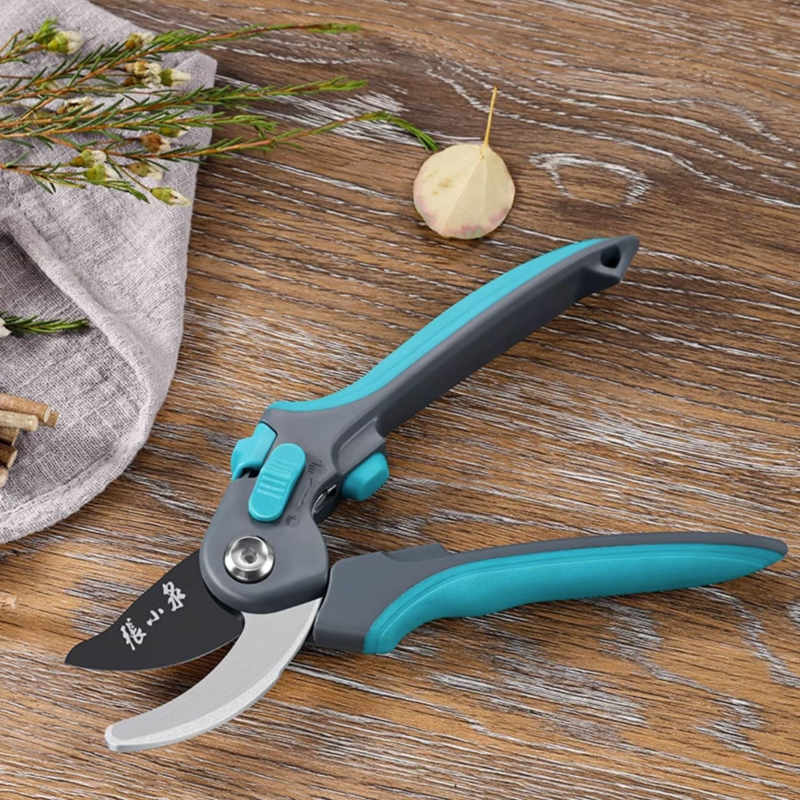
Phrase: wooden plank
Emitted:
{"points": [[670, 403]]}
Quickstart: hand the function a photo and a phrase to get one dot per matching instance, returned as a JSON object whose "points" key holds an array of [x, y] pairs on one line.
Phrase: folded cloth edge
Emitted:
{"points": [[40, 511]]}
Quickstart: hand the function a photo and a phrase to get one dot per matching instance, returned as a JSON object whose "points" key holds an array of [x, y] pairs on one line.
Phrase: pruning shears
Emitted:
{"points": [[262, 577]]}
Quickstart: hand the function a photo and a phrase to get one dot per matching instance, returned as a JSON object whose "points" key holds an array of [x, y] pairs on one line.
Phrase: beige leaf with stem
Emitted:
{"points": [[465, 191]]}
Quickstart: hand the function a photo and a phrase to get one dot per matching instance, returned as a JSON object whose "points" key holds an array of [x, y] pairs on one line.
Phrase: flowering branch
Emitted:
{"points": [[120, 111]]}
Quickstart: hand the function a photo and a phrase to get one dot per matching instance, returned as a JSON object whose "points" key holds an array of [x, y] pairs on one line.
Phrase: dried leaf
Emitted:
{"points": [[465, 191]]}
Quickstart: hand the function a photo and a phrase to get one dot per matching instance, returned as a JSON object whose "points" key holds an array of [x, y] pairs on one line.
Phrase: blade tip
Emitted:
{"points": [[122, 745], [126, 736], [115, 744], [72, 658]]}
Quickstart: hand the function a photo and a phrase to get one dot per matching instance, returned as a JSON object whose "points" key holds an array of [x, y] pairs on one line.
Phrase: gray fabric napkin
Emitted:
{"points": [[99, 254]]}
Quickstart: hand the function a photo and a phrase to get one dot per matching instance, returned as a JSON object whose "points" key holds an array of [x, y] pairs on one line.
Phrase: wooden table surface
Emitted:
{"points": [[670, 403]]}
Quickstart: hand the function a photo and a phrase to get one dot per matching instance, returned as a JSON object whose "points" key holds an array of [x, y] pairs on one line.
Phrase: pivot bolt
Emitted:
{"points": [[249, 559]]}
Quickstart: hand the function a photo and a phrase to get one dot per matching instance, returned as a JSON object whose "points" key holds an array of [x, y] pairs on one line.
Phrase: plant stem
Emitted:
{"points": [[489, 121]]}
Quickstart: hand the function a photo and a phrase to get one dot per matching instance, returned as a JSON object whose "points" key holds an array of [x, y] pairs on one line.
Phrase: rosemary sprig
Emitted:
{"points": [[19, 325]]}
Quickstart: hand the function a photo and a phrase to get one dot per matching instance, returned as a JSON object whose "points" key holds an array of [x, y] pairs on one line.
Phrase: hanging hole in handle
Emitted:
{"points": [[610, 257]]}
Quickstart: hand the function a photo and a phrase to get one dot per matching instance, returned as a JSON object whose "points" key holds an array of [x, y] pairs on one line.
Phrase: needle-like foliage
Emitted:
{"points": [[10, 324], [113, 116], [120, 111]]}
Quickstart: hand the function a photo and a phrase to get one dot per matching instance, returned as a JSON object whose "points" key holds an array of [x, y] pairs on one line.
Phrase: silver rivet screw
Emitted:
{"points": [[249, 559]]}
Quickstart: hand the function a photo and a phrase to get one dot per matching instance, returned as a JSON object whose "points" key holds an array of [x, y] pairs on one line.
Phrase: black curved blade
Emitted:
{"points": [[175, 620]]}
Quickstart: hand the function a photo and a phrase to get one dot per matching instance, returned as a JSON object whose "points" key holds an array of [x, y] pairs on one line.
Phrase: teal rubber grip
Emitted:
{"points": [[440, 329], [418, 585], [485, 587]]}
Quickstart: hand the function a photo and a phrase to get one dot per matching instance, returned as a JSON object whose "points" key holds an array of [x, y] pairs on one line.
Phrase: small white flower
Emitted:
{"points": [[145, 170], [88, 158], [77, 104], [174, 77], [66, 42], [101, 173], [148, 72], [137, 68], [172, 197], [137, 40], [155, 143], [3, 330], [173, 131]]}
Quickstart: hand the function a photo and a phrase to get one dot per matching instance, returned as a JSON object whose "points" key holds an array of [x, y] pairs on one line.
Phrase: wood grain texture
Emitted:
{"points": [[670, 403]]}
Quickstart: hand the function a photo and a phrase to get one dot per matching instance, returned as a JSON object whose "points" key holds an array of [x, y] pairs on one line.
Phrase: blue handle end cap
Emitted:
{"points": [[363, 481]]}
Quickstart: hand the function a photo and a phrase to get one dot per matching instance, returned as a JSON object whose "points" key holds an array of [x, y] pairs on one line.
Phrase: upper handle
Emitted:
{"points": [[374, 600], [475, 330]]}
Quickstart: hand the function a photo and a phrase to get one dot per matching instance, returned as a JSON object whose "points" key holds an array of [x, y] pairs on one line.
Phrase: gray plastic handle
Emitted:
{"points": [[476, 330]]}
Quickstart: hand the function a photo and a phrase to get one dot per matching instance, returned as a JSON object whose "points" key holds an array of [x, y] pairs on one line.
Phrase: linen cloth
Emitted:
{"points": [[87, 253]]}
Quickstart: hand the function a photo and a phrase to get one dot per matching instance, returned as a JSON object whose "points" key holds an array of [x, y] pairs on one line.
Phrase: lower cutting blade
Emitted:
{"points": [[251, 667]]}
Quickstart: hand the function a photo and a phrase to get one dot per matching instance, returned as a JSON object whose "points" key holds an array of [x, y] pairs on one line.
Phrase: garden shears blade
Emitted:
{"points": [[262, 574], [175, 620], [268, 642]]}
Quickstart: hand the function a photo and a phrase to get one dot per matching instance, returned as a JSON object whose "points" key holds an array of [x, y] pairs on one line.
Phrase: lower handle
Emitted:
{"points": [[373, 601]]}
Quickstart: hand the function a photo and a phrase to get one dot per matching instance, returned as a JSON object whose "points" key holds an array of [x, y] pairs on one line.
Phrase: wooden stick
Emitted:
{"points": [[8, 455], [3, 476], [9, 435], [22, 405], [51, 419], [26, 422]]}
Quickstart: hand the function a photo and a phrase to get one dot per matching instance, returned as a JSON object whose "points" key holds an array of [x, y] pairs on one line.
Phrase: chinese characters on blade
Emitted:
{"points": [[133, 634]]}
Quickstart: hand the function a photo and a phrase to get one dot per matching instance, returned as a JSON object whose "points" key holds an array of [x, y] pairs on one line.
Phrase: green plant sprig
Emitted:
{"points": [[120, 111], [113, 116], [159, 109], [78, 69], [20, 325], [50, 176]]}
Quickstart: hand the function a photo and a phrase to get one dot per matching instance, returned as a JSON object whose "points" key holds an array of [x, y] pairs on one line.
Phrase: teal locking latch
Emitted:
{"points": [[363, 481], [276, 481], [250, 453]]}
